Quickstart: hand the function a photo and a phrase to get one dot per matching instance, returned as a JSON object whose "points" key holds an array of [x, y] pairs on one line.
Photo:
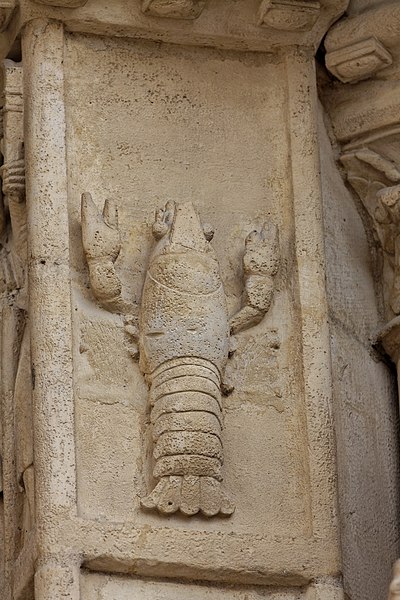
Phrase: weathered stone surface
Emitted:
{"points": [[358, 61], [289, 15], [179, 9]]}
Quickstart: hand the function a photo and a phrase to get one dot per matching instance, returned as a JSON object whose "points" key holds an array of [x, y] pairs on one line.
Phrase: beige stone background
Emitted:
{"points": [[162, 122]]}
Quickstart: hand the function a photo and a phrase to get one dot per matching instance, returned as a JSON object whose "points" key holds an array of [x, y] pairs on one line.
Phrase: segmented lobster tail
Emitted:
{"points": [[186, 414]]}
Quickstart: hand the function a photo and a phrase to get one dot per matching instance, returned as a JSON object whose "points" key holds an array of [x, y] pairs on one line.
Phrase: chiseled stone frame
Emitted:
{"points": [[108, 546]]}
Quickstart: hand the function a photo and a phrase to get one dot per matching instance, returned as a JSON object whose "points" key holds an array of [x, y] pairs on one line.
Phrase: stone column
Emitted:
{"points": [[50, 307]]}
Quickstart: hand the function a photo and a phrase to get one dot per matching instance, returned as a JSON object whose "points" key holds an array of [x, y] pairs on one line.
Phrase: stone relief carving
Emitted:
{"points": [[179, 9], [16, 364], [102, 245], [376, 180], [182, 333]]}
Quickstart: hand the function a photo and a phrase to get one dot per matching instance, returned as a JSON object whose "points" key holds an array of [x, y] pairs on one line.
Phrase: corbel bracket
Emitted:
{"points": [[178, 9], [289, 15]]}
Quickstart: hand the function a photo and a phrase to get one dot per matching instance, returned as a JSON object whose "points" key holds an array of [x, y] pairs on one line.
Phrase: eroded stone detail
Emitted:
{"points": [[63, 3], [7, 8], [178, 9], [184, 341], [102, 245], [358, 61], [289, 15], [260, 265], [15, 341], [376, 180]]}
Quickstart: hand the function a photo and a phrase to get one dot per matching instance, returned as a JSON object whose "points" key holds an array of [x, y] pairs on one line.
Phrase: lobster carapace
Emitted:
{"points": [[184, 344]]}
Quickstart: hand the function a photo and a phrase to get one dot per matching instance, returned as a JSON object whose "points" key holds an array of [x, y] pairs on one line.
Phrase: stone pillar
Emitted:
{"points": [[50, 306]]}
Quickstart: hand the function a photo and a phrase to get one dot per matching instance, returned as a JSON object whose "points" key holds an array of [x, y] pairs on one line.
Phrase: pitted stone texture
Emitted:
{"points": [[159, 95], [179, 9], [366, 421], [103, 587]]}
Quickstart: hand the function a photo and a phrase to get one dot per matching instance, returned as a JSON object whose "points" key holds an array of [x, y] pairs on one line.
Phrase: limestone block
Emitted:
{"points": [[178, 9], [358, 61], [289, 15]]}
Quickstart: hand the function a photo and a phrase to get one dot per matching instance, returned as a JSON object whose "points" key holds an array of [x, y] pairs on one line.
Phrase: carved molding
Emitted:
{"points": [[358, 61], [219, 24], [63, 3], [289, 15], [178, 9]]}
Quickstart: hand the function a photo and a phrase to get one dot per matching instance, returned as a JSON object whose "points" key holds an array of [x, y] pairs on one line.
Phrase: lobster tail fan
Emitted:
{"points": [[190, 495]]}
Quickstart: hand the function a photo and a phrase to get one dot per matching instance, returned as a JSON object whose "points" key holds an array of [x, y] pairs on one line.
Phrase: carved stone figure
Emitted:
{"points": [[13, 175], [16, 371], [184, 346], [184, 342], [376, 180], [102, 245]]}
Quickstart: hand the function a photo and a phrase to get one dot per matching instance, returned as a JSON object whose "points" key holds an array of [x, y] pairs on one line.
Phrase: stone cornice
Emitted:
{"points": [[262, 25]]}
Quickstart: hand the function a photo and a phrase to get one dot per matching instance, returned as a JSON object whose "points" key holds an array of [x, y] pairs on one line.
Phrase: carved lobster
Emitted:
{"points": [[184, 344]]}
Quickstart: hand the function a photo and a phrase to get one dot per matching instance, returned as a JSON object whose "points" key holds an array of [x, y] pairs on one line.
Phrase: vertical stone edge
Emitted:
{"points": [[310, 257], [57, 573]]}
